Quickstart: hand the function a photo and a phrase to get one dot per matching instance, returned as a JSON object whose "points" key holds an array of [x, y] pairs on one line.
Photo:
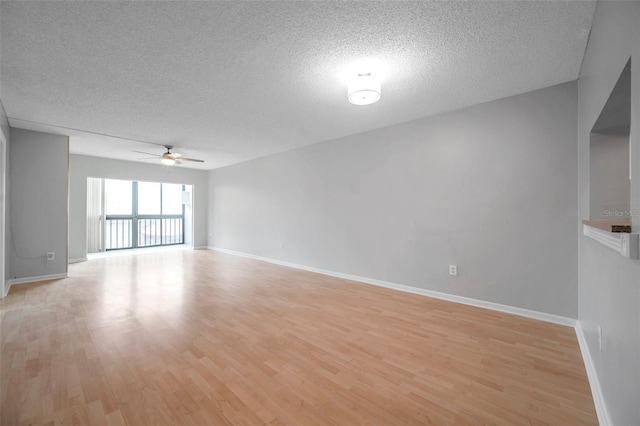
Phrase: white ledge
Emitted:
{"points": [[622, 243]]}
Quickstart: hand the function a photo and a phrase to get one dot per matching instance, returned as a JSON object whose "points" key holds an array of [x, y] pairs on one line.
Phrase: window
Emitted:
{"points": [[143, 214], [171, 198], [118, 197], [149, 198]]}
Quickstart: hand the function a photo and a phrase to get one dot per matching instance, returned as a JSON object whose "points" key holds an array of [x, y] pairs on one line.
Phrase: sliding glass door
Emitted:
{"points": [[118, 209], [143, 214]]}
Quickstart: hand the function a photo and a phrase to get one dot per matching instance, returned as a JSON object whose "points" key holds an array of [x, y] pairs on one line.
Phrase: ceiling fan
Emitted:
{"points": [[169, 158]]}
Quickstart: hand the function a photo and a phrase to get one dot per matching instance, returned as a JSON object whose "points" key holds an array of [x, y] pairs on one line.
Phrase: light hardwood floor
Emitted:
{"points": [[205, 338]]}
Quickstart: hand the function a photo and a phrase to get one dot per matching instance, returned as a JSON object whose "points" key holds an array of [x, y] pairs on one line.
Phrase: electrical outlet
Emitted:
{"points": [[453, 270], [51, 256]]}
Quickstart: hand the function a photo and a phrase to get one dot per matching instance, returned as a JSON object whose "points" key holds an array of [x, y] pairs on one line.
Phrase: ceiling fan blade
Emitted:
{"points": [[175, 155], [147, 158], [148, 153], [178, 162], [191, 159]]}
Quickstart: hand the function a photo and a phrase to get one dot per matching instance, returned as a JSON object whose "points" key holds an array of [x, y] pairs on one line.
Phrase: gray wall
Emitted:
{"points": [[609, 294], [83, 167], [6, 131], [39, 199], [491, 188]]}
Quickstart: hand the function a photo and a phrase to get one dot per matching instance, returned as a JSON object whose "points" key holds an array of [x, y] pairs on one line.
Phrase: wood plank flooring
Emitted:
{"points": [[205, 338]]}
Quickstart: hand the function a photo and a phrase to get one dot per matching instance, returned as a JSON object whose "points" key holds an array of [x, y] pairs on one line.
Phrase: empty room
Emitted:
{"points": [[320, 212]]}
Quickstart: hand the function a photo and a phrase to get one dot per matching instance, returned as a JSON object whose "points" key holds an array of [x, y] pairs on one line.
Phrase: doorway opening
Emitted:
{"points": [[124, 214], [610, 158]]}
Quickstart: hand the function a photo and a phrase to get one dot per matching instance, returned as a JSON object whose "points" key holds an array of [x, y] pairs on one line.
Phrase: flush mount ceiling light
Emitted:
{"points": [[364, 90]]}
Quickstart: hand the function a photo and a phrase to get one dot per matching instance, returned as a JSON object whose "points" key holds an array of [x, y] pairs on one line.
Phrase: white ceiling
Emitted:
{"points": [[232, 81]]}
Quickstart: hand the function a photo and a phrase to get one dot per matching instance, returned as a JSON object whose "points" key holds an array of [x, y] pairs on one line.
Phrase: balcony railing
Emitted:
{"points": [[160, 231], [118, 234], [151, 231]]}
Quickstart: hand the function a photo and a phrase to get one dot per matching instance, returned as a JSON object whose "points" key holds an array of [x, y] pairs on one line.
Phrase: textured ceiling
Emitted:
{"points": [[232, 81]]}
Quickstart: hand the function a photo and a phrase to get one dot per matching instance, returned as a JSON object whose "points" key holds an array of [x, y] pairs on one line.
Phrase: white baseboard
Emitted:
{"points": [[201, 248], [7, 287], [77, 260], [556, 319], [38, 278], [596, 390]]}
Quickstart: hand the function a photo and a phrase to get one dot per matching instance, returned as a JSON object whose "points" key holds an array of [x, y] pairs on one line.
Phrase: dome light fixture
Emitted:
{"points": [[364, 90]]}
